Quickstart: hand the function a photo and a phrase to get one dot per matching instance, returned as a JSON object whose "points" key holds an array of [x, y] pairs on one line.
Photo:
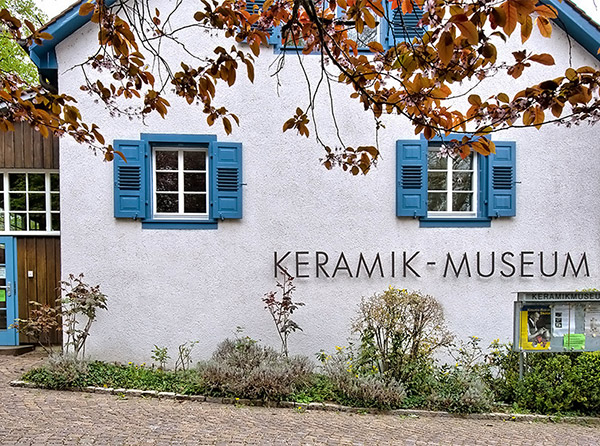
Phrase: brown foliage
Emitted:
{"points": [[415, 78]]}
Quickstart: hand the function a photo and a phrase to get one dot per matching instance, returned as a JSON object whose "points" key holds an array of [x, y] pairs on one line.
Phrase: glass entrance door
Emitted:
{"points": [[8, 291]]}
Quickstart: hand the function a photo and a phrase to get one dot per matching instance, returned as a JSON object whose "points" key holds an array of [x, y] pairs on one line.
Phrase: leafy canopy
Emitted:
{"points": [[13, 59], [421, 78]]}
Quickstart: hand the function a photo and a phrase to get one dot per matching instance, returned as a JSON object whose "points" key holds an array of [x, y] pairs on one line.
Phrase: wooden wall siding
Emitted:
{"points": [[42, 256], [27, 149]]}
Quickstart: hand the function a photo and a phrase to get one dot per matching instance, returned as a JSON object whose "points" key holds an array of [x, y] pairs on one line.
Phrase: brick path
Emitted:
{"points": [[40, 417]]}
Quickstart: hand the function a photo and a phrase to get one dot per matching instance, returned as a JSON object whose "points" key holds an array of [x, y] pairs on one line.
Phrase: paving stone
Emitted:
{"points": [[42, 417]]}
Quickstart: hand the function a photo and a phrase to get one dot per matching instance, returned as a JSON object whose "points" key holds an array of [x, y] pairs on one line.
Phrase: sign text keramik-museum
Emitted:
{"points": [[320, 264]]}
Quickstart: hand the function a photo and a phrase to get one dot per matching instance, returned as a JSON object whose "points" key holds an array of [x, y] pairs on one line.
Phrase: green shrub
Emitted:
{"points": [[319, 389], [463, 387], [552, 382], [244, 369], [550, 385], [588, 365], [462, 391], [66, 373], [243, 353], [398, 331], [60, 372], [364, 388], [503, 376]]}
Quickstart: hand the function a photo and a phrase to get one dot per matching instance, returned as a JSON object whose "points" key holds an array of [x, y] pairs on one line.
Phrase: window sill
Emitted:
{"points": [[480, 222], [30, 233], [179, 224]]}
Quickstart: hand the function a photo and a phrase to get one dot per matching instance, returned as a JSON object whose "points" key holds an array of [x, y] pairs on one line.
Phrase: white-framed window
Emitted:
{"points": [[367, 35], [29, 202], [180, 182], [451, 184]]}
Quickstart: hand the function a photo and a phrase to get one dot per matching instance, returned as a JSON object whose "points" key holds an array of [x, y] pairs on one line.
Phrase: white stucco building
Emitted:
{"points": [[186, 237]]}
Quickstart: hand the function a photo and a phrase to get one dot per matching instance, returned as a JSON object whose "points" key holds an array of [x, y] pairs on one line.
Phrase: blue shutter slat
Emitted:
{"points": [[130, 179], [226, 180], [411, 178], [403, 27], [502, 181]]}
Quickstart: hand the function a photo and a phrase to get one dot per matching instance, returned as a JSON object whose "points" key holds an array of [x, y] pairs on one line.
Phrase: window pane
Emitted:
{"points": [[436, 181], [55, 220], [37, 181], [194, 203], [16, 181], [437, 201], [167, 181], [167, 203], [166, 160], [17, 202], [194, 182], [194, 160], [37, 222], [1, 202], [55, 202], [367, 36], [462, 202], [54, 183], [37, 202], [3, 319], [2, 255], [435, 161], [463, 164], [462, 181], [18, 222], [1, 181]]}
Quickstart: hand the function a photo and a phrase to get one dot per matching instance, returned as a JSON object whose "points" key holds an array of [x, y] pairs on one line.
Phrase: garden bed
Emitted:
{"points": [[302, 407]]}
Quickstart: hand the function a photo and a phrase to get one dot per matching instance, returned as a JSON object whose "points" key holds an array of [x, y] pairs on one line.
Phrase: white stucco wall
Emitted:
{"points": [[166, 287]]}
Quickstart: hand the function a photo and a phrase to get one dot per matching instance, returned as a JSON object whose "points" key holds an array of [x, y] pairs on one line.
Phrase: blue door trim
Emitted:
{"points": [[10, 335]]}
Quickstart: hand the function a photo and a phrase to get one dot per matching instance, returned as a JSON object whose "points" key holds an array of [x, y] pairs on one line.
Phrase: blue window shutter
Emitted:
{"points": [[130, 180], [502, 181], [403, 27], [411, 178], [275, 36], [226, 180]]}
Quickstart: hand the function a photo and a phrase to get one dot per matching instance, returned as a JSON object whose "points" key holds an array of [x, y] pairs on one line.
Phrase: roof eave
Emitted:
{"points": [[65, 24], [578, 25]]}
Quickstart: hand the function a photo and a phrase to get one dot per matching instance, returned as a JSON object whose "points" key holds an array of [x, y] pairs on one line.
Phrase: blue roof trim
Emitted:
{"points": [[66, 24], [577, 24]]}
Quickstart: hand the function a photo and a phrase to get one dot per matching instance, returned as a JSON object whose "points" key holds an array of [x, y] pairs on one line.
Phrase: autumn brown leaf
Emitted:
{"points": [[511, 17], [544, 59], [544, 26], [86, 8], [445, 47], [526, 29], [469, 31]]}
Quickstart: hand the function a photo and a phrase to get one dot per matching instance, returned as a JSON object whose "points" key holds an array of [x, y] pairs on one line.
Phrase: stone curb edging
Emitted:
{"points": [[319, 406]]}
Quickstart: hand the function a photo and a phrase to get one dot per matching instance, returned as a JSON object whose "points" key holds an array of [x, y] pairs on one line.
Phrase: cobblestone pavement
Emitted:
{"points": [[40, 417]]}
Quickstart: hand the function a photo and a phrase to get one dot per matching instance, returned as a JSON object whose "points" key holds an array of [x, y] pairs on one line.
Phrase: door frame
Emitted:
{"points": [[10, 336]]}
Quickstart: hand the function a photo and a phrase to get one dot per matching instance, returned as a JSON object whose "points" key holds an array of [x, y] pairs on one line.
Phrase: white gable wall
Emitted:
{"points": [[166, 287]]}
